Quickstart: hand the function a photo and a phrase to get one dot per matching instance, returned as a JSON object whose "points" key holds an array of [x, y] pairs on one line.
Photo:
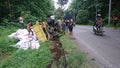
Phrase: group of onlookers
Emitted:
{"points": [[63, 25], [67, 25]]}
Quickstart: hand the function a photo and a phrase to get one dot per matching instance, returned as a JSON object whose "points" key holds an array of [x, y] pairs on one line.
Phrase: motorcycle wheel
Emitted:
{"points": [[101, 34]]}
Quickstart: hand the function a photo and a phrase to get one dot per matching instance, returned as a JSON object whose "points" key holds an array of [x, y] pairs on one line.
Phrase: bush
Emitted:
{"points": [[5, 42], [90, 22], [28, 17], [4, 22], [82, 17]]}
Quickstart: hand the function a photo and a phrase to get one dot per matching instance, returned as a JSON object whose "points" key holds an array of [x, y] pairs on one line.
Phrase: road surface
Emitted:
{"points": [[104, 49]]}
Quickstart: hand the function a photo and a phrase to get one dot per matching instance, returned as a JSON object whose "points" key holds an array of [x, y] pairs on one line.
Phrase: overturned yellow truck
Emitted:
{"points": [[41, 31]]}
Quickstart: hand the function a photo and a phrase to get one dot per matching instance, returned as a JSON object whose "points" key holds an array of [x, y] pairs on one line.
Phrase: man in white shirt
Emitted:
{"points": [[52, 17]]}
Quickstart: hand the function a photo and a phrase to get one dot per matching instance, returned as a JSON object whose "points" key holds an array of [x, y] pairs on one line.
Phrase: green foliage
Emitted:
{"points": [[82, 17], [115, 12], [59, 13], [105, 21], [90, 22], [31, 9], [16, 58], [73, 57], [28, 59], [94, 7], [28, 17], [4, 22], [5, 42]]}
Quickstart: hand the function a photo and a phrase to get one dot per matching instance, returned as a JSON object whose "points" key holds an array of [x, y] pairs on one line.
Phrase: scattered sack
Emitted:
{"points": [[25, 41]]}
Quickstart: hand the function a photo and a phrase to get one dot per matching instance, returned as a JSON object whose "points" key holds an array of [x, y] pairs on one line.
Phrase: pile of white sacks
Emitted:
{"points": [[25, 41]]}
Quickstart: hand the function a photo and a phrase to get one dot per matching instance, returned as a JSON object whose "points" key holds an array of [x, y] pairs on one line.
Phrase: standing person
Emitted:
{"points": [[115, 18], [37, 22], [67, 24], [48, 22], [21, 22], [63, 26], [70, 27], [52, 17], [29, 27], [59, 24]]}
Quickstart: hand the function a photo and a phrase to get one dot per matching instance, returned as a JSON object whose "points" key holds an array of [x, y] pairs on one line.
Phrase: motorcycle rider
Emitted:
{"points": [[98, 22]]}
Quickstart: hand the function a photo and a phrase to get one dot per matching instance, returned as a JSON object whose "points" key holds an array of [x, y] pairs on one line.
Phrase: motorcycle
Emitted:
{"points": [[98, 30]]}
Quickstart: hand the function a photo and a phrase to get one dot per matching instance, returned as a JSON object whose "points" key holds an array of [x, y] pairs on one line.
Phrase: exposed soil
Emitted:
{"points": [[4, 55]]}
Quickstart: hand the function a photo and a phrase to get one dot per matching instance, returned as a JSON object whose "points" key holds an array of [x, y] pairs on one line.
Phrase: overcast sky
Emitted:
{"points": [[57, 6]]}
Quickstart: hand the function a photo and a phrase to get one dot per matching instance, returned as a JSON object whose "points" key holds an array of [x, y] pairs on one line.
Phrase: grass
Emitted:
{"points": [[74, 58], [17, 58], [112, 25], [28, 59], [105, 25], [5, 49]]}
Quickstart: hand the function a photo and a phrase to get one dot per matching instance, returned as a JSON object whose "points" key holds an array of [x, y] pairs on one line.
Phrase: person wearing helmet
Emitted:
{"points": [[98, 21]]}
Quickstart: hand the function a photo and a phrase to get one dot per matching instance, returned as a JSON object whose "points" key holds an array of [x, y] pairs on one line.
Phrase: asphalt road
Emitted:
{"points": [[104, 49]]}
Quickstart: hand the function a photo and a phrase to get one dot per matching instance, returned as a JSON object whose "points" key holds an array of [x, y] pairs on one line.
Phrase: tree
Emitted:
{"points": [[62, 2], [82, 17], [94, 7], [12, 9]]}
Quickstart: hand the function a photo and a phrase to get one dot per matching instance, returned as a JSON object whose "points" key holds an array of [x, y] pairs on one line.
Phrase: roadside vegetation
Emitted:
{"points": [[84, 14], [5, 42], [11, 57], [85, 11]]}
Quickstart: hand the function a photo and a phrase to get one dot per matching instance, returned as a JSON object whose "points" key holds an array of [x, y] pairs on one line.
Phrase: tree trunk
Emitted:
{"points": [[10, 13]]}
